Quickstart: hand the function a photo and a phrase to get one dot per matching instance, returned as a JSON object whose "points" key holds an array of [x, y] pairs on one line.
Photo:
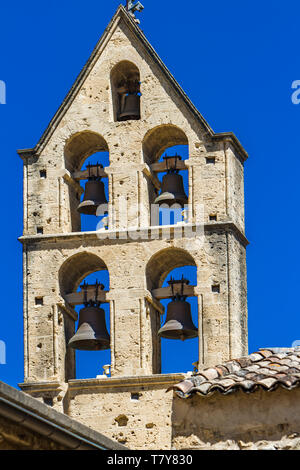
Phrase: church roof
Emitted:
{"points": [[266, 369], [30, 414], [122, 14]]}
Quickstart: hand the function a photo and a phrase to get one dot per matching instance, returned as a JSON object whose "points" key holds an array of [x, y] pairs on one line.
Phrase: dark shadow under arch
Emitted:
{"points": [[76, 268], [161, 263], [124, 79], [158, 139], [80, 146]]}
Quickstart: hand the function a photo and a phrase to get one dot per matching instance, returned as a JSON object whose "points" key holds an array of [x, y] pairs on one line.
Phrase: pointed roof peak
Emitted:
{"points": [[122, 14]]}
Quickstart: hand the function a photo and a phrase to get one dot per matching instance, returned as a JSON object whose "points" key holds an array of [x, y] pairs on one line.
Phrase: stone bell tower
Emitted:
{"points": [[127, 103]]}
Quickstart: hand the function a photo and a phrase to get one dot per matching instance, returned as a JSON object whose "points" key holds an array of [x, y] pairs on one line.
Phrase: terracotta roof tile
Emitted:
{"points": [[288, 381], [295, 364], [210, 374], [295, 358], [250, 375], [255, 357], [253, 367], [286, 362], [281, 368], [264, 363], [236, 378], [244, 361], [267, 382], [222, 370], [242, 372], [226, 382], [265, 353], [204, 388], [294, 371], [267, 369], [199, 379], [247, 384], [233, 366]]}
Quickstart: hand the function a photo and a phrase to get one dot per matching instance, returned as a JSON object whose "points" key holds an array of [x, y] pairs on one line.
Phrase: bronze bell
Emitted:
{"points": [[91, 334], [131, 107], [179, 323], [94, 194], [172, 190]]}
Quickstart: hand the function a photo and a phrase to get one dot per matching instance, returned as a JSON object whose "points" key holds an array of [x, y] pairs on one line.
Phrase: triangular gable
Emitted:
{"points": [[121, 13]]}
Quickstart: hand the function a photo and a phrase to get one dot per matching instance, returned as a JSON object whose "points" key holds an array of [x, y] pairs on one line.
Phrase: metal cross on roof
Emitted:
{"points": [[132, 6]]}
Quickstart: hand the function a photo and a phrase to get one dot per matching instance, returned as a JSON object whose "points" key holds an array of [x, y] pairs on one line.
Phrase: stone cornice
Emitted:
{"points": [[232, 139], [125, 382], [33, 387], [131, 235]]}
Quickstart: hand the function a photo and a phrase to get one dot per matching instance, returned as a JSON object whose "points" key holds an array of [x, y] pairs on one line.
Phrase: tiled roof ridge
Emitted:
{"points": [[265, 369], [246, 360]]}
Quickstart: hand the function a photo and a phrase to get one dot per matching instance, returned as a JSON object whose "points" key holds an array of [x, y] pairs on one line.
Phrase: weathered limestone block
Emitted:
{"points": [[240, 421], [136, 412]]}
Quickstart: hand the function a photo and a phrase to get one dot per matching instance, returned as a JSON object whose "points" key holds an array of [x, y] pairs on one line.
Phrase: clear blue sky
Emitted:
{"points": [[236, 61]]}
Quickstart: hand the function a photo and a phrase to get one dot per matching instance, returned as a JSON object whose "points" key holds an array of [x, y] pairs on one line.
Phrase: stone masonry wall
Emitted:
{"points": [[57, 256], [126, 262], [240, 421], [136, 412], [51, 200]]}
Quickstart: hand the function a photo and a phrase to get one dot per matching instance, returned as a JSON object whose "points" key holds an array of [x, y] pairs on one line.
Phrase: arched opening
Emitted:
{"points": [[82, 145], [157, 140], [166, 150], [86, 157], [76, 272], [125, 88], [164, 265]]}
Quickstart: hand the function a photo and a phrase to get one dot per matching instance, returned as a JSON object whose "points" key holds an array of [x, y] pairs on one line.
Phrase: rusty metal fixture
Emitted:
{"points": [[133, 6], [130, 107], [179, 323], [94, 194], [172, 189], [92, 334]]}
